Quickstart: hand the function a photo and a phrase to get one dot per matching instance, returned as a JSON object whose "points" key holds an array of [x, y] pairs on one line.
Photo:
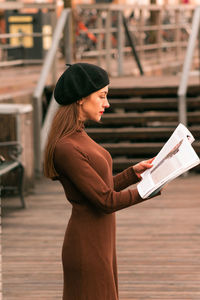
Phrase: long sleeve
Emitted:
{"points": [[125, 179], [72, 163]]}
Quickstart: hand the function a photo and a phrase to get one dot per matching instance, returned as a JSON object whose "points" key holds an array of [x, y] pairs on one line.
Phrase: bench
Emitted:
{"points": [[11, 164]]}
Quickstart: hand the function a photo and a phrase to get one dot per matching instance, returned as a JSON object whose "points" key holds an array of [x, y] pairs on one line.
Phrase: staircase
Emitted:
{"points": [[134, 129]]}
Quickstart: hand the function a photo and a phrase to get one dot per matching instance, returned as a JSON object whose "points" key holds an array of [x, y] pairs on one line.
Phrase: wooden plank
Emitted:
{"points": [[133, 148], [160, 264], [135, 133], [0, 251], [138, 148], [150, 91], [32, 252], [150, 86], [157, 245], [140, 104], [147, 117], [121, 163], [120, 86]]}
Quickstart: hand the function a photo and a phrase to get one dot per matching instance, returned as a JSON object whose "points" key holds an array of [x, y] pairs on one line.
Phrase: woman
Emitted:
{"points": [[85, 170]]}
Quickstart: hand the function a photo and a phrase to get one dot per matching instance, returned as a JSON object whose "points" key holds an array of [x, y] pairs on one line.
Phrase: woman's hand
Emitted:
{"points": [[142, 166]]}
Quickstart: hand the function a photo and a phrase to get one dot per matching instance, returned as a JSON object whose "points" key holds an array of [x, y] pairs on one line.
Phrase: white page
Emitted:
{"points": [[176, 157], [180, 132]]}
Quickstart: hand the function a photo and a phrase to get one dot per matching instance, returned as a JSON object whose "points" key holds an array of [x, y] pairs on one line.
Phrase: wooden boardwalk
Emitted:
{"points": [[158, 244], [18, 82]]}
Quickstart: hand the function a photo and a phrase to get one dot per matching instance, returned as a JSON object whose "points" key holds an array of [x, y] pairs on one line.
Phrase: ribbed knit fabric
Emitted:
{"points": [[89, 250]]}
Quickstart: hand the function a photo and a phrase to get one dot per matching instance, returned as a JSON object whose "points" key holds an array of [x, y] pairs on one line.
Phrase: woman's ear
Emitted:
{"points": [[80, 102]]}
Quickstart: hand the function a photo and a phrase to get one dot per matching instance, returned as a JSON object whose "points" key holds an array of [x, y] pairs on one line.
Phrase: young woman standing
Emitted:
{"points": [[84, 169]]}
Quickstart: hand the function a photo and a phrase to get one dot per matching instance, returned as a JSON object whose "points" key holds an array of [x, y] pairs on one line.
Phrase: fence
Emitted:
{"points": [[148, 37], [159, 35], [25, 32], [111, 34]]}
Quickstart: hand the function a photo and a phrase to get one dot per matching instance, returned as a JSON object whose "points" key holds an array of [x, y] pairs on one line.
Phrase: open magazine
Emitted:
{"points": [[176, 157]]}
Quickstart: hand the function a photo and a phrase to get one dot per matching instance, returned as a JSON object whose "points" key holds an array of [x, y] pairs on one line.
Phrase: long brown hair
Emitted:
{"points": [[65, 122]]}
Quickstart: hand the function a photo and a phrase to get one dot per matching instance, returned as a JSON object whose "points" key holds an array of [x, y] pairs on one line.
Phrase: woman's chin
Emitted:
{"points": [[98, 119]]}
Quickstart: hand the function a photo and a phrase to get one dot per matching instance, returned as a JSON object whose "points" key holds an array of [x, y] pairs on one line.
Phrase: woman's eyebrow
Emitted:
{"points": [[104, 92]]}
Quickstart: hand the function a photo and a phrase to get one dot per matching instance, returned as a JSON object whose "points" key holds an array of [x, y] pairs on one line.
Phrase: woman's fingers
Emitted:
{"points": [[150, 160], [143, 166], [146, 164]]}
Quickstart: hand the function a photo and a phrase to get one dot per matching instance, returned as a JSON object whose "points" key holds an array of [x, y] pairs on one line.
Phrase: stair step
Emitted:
{"points": [[135, 133], [120, 164], [132, 149], [150, 91], [135, 149], [135, 129], [146, 117], [139, 104]]}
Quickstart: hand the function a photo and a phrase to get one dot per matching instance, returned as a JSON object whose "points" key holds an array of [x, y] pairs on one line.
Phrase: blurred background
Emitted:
{"points": [[151, 50]]}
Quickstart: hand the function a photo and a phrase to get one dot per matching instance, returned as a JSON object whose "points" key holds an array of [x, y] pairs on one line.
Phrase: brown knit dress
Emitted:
{"points": [[89, 254]]}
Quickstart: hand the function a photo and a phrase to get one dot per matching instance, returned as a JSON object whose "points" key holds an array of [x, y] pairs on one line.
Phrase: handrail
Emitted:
{"points": [[159, 32], [29, 7], [48, 63], [182, 90], [170, 38], [12, 5], [152, 7], [130, 39], [22, 34]]}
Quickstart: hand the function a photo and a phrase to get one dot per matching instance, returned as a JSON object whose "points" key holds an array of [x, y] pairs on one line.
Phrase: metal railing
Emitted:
{"points": [[182, 90], [63, 26], [15, 41], [160, 35], [5, 62]]}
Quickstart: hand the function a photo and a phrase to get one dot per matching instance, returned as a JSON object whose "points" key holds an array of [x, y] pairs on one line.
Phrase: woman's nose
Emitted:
{"points": [[106, 104]]}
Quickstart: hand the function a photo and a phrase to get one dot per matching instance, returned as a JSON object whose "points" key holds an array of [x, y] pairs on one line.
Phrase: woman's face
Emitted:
{"points": [[93, 106]]}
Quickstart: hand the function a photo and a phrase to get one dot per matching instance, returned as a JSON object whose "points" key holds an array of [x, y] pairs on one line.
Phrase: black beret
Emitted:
{"points": [[78, 81]]}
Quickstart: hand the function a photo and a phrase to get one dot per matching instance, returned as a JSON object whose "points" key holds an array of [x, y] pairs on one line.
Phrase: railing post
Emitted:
{"points": [[99, 38], [182, 90], [177, 32], [130, 39], [54, 64], [108, 40], [120, 42], [37, 95], [141, 33], [68, 32], [182, 109], [37, 117], [159, 33]]}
